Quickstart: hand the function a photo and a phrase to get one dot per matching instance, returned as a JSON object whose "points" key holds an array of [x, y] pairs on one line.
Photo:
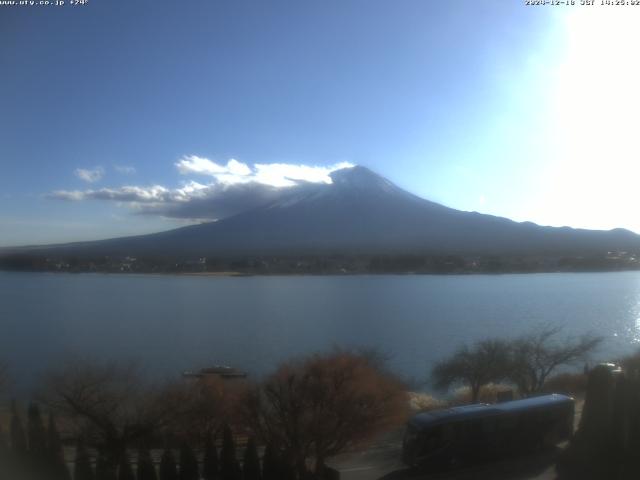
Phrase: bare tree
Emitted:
{"points": [[209, 403], [111, 404], [535, 356], [475, 367], [316, 408]]}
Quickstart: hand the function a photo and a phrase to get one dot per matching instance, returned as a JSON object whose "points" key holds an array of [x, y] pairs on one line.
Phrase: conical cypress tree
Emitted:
{"points": [[210, 464], [251, 464], [37, 435], [270, 468], [4, 454], [125, 472], [229, 468], [4, 447], [82, 469], [18, 437], [188, 464], [168, 470], [55, 452], [146, 469], [286, 468], [104, 469], [101, 467]]}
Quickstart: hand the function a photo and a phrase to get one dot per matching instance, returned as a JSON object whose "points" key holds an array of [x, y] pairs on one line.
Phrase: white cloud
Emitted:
{"points": [[203, 166], [238, 168], [232, 188], [89, 175], [287, 175], [135, 194], [192, 187], [125, 169], [155, 193], [72, 195], [192, 200], [274, 174]]}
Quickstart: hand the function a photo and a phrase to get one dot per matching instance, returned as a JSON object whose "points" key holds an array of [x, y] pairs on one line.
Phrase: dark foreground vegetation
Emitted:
{"points": [[323, 264], [607, 442], [97, 421], [121, 427]]}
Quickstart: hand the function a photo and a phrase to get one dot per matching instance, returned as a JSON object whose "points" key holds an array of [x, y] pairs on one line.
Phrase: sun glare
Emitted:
{"points": [[595, 111]]}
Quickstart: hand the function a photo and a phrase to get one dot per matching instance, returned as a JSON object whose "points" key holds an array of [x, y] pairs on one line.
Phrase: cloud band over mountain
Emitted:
{"points": [[229, 189]]}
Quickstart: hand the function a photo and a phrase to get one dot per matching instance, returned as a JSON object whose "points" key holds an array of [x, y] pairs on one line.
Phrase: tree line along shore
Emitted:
{"points": [[328, 264]]}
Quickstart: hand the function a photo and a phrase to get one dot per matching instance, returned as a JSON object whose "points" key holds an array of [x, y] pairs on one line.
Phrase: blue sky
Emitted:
{"points": [[112, 109]]}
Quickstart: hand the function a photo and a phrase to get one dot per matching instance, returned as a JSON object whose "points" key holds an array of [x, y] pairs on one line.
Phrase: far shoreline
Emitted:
{"points": [[236, 274]]}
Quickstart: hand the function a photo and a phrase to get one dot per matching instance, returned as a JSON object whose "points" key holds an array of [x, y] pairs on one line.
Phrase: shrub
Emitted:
{"points": [[566, 383], [423, 402], [488, 393]]}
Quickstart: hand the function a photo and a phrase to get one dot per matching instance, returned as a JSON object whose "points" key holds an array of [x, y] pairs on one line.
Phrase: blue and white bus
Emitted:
{"points": [[475, 432]]}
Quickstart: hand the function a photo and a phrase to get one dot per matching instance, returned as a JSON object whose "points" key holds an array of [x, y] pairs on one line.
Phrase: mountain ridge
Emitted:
{"points": [[358, 212]]}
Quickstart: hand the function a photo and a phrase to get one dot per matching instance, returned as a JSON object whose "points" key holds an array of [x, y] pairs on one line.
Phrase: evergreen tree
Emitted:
{"points": [[125, 472], [210, 467], [82, 469], [37, 435], [18, 437], [5, 458], [55, 452], [286, 468], [168, 470], [3, 444], [104, 469], [146, 469], [229, 469], [251, 464], [270, 468], [188, 464]]}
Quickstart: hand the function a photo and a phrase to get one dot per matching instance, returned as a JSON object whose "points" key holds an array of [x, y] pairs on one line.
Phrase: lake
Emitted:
{"points": [[173, 323]]}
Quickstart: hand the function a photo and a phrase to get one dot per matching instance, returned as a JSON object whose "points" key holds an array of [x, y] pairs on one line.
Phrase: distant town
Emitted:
{"points": [[324, 264]]}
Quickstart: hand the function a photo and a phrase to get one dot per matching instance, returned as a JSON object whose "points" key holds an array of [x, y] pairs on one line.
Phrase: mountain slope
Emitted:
{"points": [[360, 212]]}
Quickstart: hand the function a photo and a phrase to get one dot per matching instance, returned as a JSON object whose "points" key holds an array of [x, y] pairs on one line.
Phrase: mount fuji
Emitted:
{"points": [[358, 212]]}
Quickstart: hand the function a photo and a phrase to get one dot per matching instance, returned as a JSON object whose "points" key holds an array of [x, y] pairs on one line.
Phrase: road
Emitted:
{"points": [[382, 462]]}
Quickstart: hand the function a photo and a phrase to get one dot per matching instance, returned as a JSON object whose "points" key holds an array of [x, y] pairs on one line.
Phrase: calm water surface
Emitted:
{"points": [[172, 323]]}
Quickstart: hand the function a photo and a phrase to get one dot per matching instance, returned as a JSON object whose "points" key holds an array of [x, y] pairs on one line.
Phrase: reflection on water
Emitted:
{"points": [[173, 323], [634, 332]]}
